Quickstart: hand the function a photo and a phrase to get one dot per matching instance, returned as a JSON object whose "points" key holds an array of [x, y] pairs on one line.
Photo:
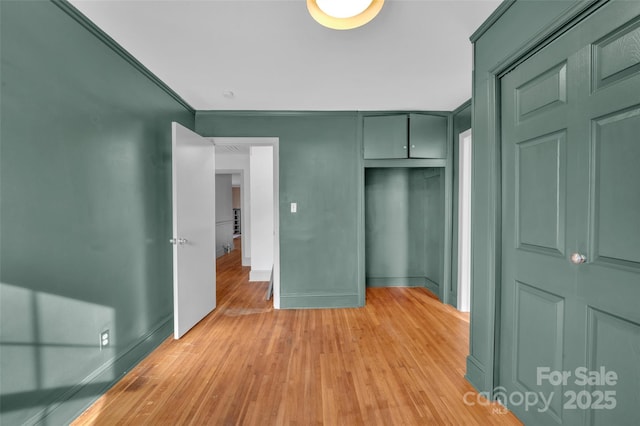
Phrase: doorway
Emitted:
{"points": [[238, 150]]}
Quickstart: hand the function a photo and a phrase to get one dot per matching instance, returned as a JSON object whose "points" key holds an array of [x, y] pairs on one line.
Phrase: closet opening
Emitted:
{"points": [[404, 227]]}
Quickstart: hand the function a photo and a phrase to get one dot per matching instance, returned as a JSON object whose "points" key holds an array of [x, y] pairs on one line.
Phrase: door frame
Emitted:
{"points": [[572, 17], [275, 143], [463, 299]]}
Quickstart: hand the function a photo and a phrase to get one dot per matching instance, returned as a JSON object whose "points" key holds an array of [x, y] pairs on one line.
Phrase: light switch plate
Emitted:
{"points": [[294, 207]]}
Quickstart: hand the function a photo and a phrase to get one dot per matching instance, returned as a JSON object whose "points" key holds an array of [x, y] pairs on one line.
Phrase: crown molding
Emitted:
{"points": [[90, 26]]}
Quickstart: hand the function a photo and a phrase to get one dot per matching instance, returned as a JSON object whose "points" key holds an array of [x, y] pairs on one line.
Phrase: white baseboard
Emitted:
{"points": [[257, 275], [246, 261]]}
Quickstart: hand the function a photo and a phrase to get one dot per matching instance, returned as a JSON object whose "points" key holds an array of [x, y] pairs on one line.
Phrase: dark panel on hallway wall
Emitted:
{"points": [[319, 166], [85, 214], [461, 123]]}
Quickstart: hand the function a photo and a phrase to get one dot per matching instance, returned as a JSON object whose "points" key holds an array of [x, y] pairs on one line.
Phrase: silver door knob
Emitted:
{"points": [[182, 240], [577, 258], [173, 241]]}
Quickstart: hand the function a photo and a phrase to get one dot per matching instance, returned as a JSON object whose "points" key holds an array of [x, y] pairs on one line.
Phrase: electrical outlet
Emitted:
{"points": [[105, 339]]}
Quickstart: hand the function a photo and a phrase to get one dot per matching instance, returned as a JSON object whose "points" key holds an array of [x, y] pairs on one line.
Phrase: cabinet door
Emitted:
{"points": [[427, 136], [385, 136]]}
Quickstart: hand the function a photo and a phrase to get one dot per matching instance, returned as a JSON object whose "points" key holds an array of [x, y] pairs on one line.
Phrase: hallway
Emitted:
{"points": [[399, 360]]}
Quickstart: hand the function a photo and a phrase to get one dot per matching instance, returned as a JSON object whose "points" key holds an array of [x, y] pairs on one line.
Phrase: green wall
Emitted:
{"points": [[461, 122], [434, 180], [394, 215], [515, 28], [320, 157], [85, 213]]}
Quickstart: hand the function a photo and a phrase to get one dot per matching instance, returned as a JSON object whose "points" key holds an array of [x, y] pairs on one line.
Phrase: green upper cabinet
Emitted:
{"points": [[428, 136], [386, 136], [401, 136]]}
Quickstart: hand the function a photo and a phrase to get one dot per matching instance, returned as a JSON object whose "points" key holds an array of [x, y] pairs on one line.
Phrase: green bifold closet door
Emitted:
{"points": [[571, 229]]}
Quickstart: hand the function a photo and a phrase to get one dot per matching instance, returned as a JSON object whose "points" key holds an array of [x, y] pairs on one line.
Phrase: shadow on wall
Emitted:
{"points": [[42, 342]]}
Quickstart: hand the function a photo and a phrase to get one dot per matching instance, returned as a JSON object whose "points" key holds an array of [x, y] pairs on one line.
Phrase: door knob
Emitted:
{"points": [[577, 258], [182, 240], [178, 241], [173, 241]]}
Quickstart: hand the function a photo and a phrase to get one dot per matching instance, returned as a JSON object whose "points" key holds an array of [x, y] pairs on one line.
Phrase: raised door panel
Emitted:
{"points": [[617, 55], [544, 92], [385, 137], [616, 199], [612, 351], [540, 188], [539, 341], [427, 136]]}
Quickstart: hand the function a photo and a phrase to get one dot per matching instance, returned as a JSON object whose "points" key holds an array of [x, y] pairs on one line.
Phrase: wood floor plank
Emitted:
{"points": [[398, 360]]}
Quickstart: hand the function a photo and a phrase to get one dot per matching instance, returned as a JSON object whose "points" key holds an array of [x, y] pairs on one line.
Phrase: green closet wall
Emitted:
{"points": [[394, 207], [85, 213], [320, 157], [434, 180]]}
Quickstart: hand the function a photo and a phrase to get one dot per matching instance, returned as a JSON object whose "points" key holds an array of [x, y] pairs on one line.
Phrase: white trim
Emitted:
{"points": [[258, 275], [464, 221]]}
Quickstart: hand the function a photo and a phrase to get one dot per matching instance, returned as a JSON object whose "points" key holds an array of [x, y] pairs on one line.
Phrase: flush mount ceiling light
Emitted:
{"points": [[344, 14]]}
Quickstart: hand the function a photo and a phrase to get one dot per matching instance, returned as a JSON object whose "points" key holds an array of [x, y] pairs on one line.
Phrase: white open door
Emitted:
{"points": [[194, 251]]}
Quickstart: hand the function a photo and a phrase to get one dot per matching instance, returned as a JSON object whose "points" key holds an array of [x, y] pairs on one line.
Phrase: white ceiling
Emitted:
{"points": [[272, 55]]}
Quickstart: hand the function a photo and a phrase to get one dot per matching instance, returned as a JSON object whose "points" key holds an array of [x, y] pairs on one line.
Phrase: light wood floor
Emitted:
{"points": [[399, 360]]}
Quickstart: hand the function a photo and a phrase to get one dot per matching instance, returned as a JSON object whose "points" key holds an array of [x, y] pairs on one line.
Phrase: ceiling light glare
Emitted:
{"points": [[343, 8], [344, 14]]}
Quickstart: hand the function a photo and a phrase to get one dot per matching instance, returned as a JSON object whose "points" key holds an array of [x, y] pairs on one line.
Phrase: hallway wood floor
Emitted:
{"points": [[398, 361]]}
